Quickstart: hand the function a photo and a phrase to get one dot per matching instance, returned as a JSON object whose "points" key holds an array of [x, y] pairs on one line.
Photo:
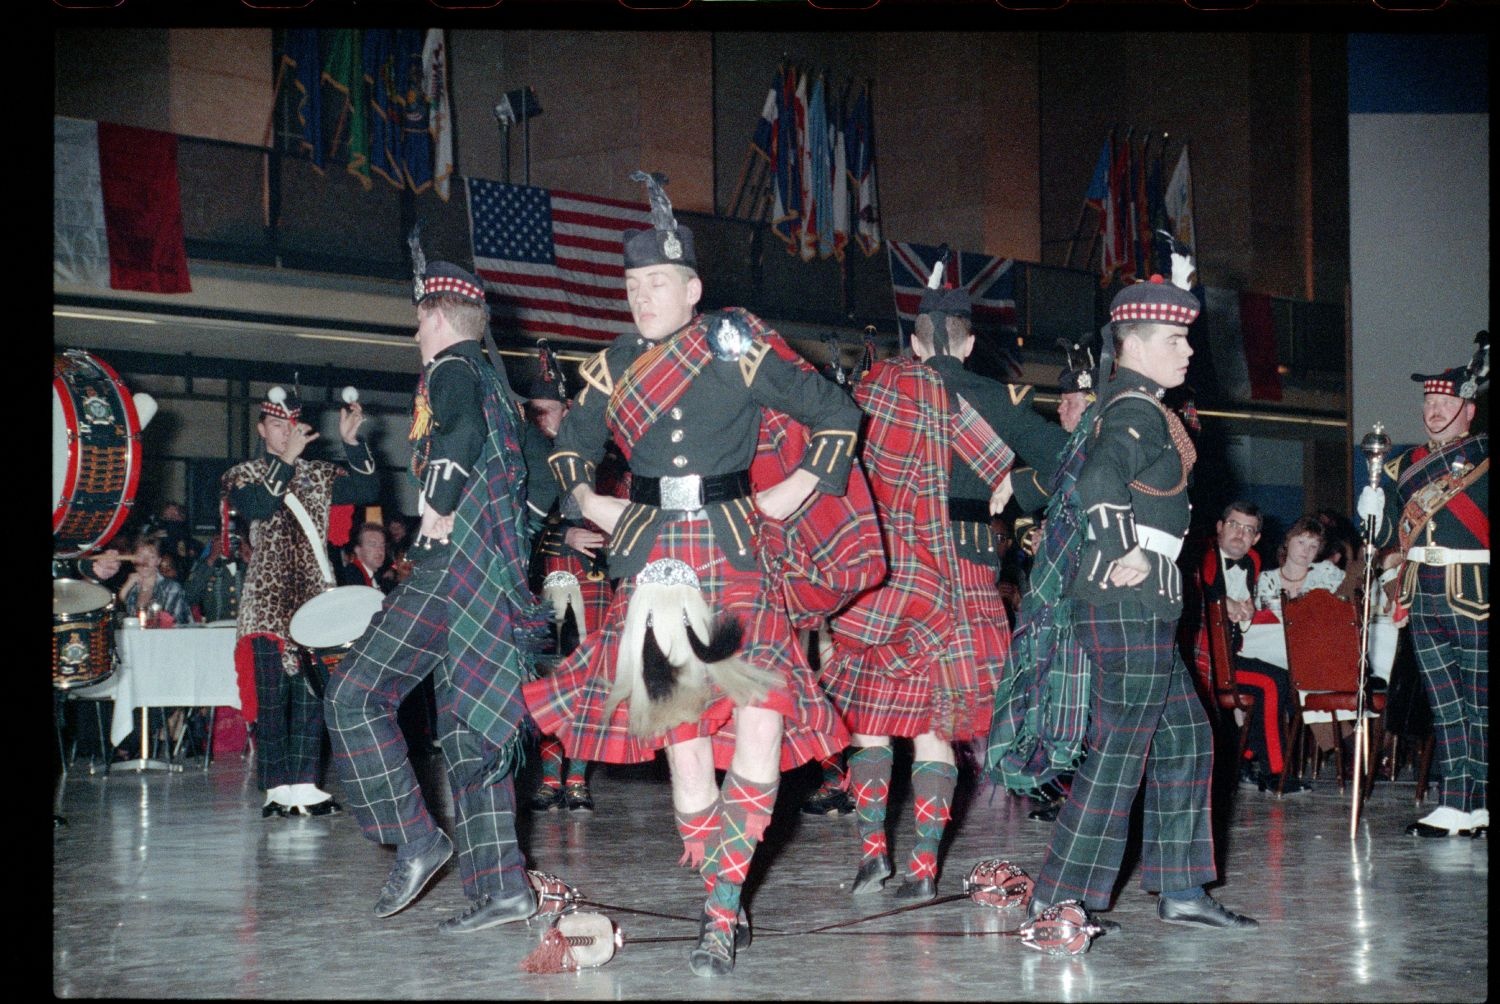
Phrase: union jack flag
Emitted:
{"points": [[553, 262], [991, 283]]}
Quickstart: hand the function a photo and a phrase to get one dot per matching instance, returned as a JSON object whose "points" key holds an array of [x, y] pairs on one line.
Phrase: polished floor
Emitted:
{"points": [[172, 886]]}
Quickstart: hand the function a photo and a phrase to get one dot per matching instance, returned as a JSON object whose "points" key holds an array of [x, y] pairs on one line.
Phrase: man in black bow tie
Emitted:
{"points": [[1229, 572]]}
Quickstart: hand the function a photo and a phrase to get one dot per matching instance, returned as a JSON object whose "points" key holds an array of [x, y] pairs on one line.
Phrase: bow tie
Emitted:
{"points": [[1244, 563]]}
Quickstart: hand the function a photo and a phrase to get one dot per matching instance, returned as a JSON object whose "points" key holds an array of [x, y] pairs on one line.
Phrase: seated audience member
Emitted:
{"points": [[1297, 572], [147, 594], [1229, 570], [369, 565]]}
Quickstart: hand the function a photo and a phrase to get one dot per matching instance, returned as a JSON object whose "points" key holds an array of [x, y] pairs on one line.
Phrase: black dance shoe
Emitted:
{"points": [[872, 874], [409, 876], [489, 911], [1205, 911]]}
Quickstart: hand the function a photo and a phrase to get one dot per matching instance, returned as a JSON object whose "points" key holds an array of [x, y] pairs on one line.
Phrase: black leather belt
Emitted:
{"points": [[969, 510], [690, 491]]}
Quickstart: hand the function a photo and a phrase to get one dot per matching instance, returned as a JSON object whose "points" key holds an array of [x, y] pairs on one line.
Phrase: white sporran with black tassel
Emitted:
{"points": [[673, 653]]}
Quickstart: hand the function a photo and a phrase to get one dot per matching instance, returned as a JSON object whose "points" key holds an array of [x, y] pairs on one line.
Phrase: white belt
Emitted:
{"points": [[1448, 556], [1159, 541]]}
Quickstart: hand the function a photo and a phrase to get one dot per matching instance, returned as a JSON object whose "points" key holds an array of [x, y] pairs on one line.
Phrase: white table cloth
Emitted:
{"points": [[189, 666]]}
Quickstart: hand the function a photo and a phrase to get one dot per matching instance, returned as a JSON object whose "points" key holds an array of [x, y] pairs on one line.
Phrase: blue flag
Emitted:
{"points": [[299, 61]]}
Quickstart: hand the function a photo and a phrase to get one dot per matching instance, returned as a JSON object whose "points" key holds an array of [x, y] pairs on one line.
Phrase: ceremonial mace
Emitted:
{"points": [[1375, 445]]}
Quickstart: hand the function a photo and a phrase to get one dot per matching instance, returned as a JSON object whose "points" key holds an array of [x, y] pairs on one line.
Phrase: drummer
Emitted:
{"points": [[286, 498]]}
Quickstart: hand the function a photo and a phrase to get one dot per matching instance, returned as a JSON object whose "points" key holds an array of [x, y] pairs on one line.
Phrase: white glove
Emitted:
{"points": [[1371, 506]]}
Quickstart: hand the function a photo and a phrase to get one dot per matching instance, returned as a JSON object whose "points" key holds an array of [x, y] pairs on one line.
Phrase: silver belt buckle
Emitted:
{"points": [[1435, 556], [684, 492]]}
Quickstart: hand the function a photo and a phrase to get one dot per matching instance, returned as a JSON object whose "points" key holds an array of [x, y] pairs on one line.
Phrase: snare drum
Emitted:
{"points": [[328, 625], [83, 633], [96, 455]]}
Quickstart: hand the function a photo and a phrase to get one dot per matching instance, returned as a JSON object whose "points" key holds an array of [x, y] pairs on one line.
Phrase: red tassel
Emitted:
{"points": [[553, 955]]}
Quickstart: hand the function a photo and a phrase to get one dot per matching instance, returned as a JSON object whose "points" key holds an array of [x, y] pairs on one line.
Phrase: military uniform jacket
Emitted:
{"points": [[1038, 442], [678, 407], [1133, 491], [1424, 477], [284, 572]]}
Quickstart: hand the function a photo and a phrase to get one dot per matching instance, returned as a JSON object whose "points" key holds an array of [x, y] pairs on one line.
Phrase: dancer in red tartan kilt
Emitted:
{"points": [[920, 656], [568, 570], [697, 654]]}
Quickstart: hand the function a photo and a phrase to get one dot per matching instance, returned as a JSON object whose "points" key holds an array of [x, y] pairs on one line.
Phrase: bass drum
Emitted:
{"points": [[328, 625], [96, 453], [83, 633]]}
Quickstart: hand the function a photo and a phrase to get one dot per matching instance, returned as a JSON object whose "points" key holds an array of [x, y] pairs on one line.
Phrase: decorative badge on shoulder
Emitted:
{"points": [[729, 336]]}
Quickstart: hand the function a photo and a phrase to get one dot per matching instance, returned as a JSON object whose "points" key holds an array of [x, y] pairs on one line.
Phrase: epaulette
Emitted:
{"points": [[595, 372]]}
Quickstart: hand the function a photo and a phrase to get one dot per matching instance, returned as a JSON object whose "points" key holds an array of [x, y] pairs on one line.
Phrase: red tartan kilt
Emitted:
{"points": [[879, 704], [570, 702], [595, 592]]}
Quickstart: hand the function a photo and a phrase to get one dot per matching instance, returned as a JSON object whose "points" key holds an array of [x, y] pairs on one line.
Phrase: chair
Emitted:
{"points": [[1222, 680], [1322, 649]]}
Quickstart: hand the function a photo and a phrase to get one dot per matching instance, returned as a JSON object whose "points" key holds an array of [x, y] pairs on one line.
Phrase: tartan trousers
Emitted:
{"points": [[289, 726], [406, 641], [1147, 722], [1453, 656]]}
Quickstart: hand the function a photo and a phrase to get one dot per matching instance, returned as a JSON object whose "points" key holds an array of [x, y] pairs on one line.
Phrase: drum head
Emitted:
{"points": [[73, 596], [62, 460], [337, 617]]}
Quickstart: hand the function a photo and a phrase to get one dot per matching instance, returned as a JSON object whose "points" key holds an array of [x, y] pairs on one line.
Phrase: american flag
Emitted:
{"points": [[991, 283], [552, 261]]}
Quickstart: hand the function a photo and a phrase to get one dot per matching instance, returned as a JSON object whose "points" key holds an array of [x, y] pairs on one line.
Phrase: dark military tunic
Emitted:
{"points": [[712, 429]]}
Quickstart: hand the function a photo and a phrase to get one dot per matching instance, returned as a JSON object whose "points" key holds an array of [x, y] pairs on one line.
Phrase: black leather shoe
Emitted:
{"points": [[1421, 829], [577, 798], [327, 807], [828, 801], [491, 912], [872, 874], [409, 877], [273, 809], [1294, 785], [713, 956], [1045, 813], [546, 798], [1205, 911], [918, 890]]}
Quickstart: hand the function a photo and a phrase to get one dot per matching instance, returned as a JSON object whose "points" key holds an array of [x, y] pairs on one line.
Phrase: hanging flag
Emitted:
{"points": [[1114, 224], [415, 143], [1179, 203], [764, 140], [818, 237], [786, 219], [116, 208], [1098, 194], [807, 230], [439, 116], [1124, 215], [351, 136], [862, 172], [839, 179], [991, 283], [299, 60], [1142, 211], [553, 262], [385, 115]]}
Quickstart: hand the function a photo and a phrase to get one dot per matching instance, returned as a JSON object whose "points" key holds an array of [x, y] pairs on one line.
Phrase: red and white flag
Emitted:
{"points": [[116, 208], [553, 263]]}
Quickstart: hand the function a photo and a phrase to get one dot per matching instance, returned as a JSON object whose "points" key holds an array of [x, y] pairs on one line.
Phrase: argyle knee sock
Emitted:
{"points": [[932, 784], [870, 783], [552, 761], [700, 833], [578, 771], [745, 812]]}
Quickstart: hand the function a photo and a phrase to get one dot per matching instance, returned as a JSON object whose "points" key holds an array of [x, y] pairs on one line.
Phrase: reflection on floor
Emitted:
{"points": [[172, 886]]}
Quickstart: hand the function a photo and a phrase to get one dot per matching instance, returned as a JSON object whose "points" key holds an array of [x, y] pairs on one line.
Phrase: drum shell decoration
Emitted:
{"points": [[83, 634], [96, 455]]}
